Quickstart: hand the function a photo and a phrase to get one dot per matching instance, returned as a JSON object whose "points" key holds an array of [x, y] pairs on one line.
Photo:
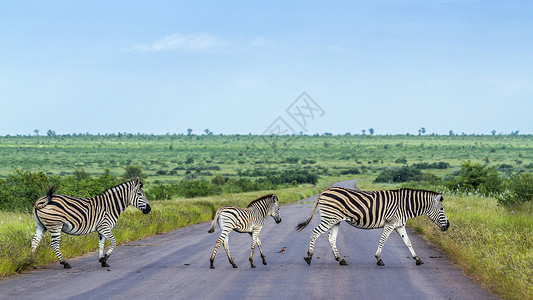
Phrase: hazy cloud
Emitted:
{"points": [[177, 41]]}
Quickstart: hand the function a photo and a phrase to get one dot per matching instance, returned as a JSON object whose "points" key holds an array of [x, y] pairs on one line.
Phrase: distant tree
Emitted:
{"points": [[189, 131], [451, 133], [421, 131], [80, 174], [208, 132], [493, 132], [132, 172], [51, 133], [36, 132], [363, 131], [371, 131], [515, 132]]}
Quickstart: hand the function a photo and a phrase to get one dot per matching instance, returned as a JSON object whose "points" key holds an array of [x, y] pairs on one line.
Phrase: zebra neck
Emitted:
{"points": [[261, 207], [113, 202]]}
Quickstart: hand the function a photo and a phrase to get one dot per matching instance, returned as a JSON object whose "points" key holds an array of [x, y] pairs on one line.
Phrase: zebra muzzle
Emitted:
{"points": [[445, 227], [147, 209]]}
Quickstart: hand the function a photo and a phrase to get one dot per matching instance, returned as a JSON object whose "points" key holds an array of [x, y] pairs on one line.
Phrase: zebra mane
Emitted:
{"points": [[419, 190], [262, 198], [112, 189]]}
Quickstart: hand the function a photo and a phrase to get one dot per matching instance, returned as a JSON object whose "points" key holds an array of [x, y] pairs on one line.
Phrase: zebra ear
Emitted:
{"points": [[439, 198], [137, 182], [274, 198]]}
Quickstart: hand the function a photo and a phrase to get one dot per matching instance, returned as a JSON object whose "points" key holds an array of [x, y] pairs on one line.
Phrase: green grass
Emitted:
{"points": [[17, 229], [231, 153], [491, 243]]}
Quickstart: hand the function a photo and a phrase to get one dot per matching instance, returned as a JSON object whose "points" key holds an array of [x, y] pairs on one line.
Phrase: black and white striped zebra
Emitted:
{"points": [[78, 216], [373, 209], [250, 220]]}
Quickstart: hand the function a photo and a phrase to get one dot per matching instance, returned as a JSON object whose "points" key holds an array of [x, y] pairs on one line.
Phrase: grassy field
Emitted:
{"points": [[491, 243], [171, 158]]}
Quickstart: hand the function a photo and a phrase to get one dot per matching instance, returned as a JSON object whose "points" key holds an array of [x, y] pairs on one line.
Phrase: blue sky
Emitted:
{"points": [[236, 66]]}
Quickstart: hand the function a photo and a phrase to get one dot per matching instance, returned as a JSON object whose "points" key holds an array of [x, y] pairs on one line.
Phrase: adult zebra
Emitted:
{"points": [[250, 219], [77, 216], [373, 209]]}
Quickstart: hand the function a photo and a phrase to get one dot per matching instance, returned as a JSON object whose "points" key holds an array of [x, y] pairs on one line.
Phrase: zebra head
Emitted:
{"points": [[274, 209], [138, 198], [437, 215]]}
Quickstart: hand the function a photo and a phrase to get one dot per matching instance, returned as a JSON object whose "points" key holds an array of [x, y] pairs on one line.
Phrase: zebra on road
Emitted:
{"points": [[78, 216], [373, 209], [250, 220]]}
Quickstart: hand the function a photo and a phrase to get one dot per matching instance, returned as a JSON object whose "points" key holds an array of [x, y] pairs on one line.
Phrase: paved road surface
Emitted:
{"points": [[176, 266]]}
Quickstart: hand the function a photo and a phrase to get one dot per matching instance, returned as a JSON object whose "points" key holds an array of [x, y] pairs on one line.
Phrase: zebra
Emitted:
{"points": [[78, 216], [250, 220], [373, 209]]}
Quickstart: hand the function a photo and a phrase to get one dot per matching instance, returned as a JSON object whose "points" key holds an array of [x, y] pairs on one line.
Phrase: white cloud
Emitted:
{"points": [[177, 41]]}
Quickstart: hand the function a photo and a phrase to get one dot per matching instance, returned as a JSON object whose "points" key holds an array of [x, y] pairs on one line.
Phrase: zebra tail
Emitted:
{"points": [[49, 196], [303, 224], [212, 228]]}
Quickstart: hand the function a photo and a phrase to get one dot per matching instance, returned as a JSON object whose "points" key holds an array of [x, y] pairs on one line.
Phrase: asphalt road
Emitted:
{"points": [[175, 265]]}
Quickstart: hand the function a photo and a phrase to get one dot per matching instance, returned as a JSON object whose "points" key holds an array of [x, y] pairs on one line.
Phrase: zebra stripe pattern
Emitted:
{"points": [[78, 216], [373, 209], [250, 220]]}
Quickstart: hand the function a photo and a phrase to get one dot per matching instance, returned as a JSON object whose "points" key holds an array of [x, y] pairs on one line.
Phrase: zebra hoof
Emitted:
{"points": [[235, 266], [211, 267], [264, 262], [419, 262], [380, 263], [307, 260], [65, 265], [105, 264], [342, 262]]}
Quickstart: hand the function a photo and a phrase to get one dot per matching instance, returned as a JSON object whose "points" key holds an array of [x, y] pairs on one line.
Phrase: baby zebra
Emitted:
{"points": [[79, 216], [249, 219]]}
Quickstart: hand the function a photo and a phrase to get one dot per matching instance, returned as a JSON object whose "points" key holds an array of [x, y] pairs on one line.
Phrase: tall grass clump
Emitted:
{"points": [[489, 242]]}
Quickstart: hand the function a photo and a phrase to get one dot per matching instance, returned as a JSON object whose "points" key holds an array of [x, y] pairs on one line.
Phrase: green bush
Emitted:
{"points": [[476, 178], [519, 189], [402, 174], [197, 188], [19, 191]]}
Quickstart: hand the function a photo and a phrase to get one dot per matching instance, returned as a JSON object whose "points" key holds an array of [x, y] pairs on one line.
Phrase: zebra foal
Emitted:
{"points": [[373, 209], [78, 216], [250, 220]]}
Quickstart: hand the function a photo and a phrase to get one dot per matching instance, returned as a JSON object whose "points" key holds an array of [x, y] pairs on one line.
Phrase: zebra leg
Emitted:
{"points": [[384, 236], [101, 239], [101, 242], [212, 259], [39, 232], [225, 243], [332, 237], [261, 251], [315, 233], [253, 235], [56, 236], [403, 234]]}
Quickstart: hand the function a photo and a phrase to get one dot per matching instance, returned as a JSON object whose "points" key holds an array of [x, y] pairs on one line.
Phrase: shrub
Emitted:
{"points": [[401, 160], [19, 191], [519, 189], [436, 165], [476, 178], [88, 187], [350, 171], [132, 172], [402, 174], [197, 188]]}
